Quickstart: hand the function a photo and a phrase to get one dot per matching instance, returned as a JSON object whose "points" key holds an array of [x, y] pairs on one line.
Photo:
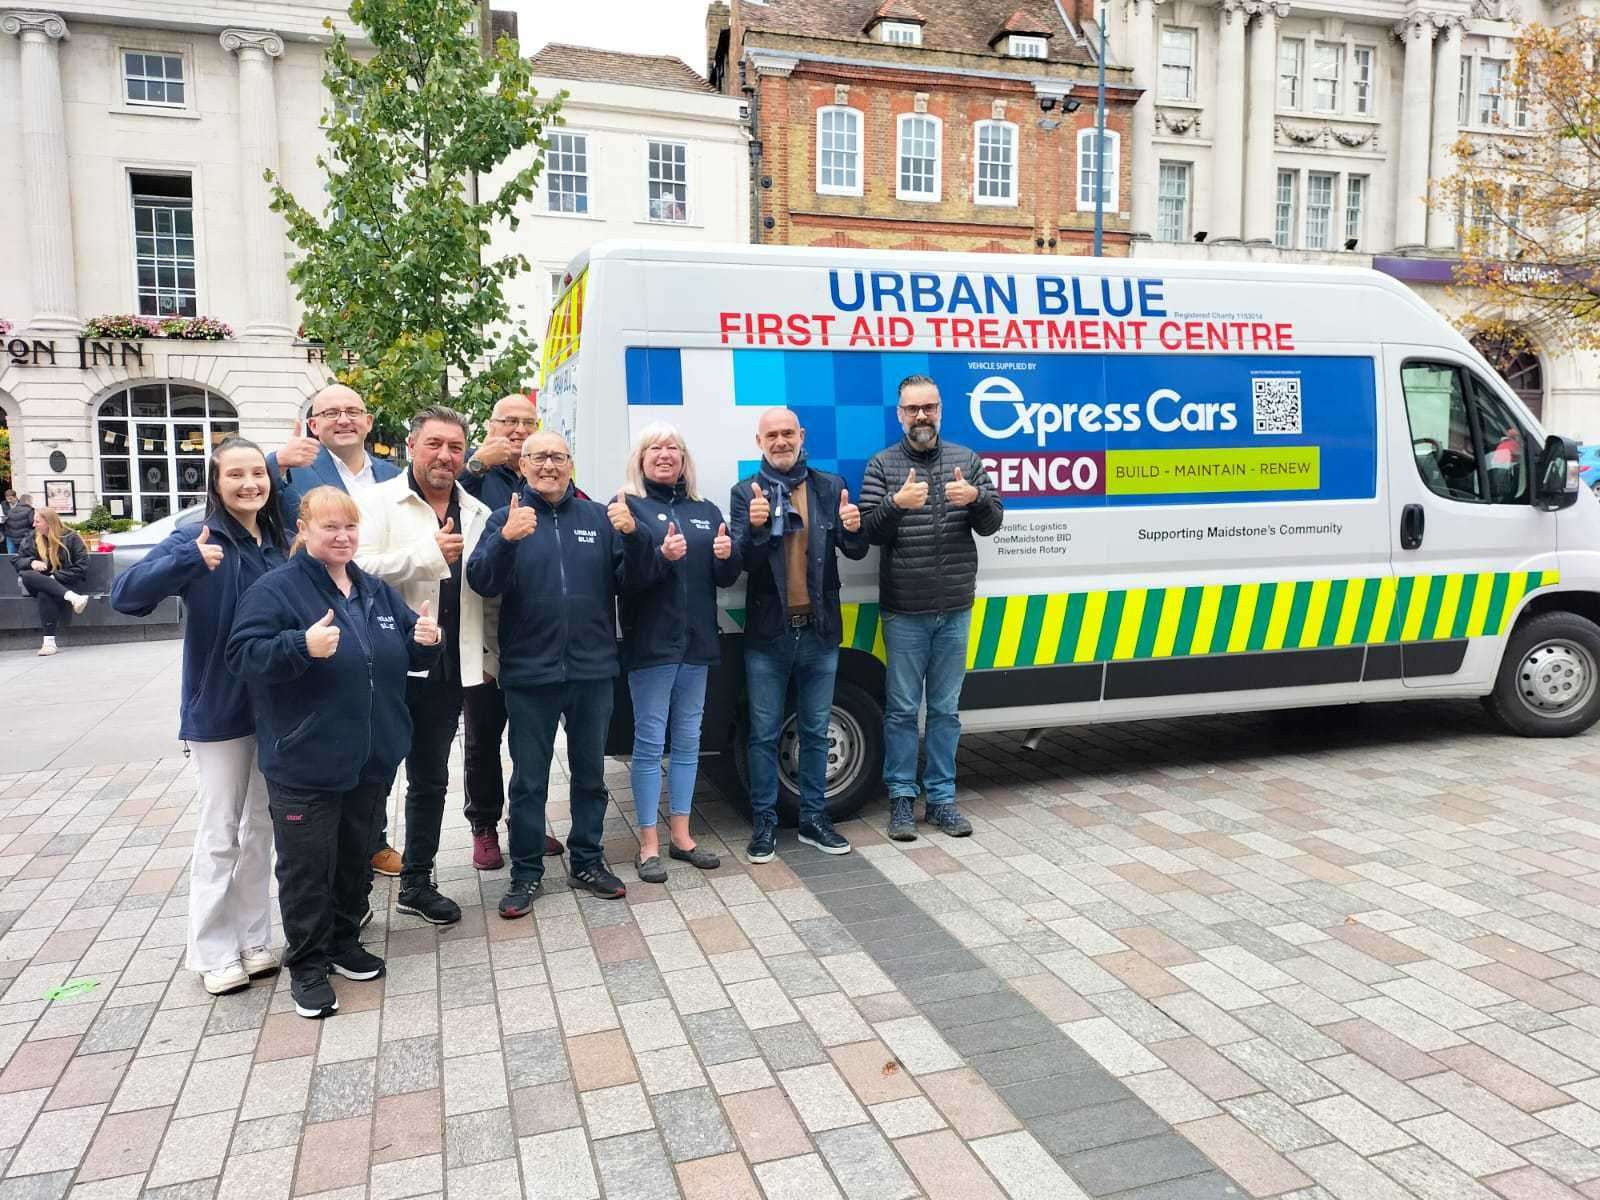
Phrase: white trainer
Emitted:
{"points": [[78, 601], [231, 978], [259, 960]]}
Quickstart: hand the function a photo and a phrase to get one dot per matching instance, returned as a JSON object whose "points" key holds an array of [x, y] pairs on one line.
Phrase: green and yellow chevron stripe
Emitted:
{"points": [[1234, 618]]}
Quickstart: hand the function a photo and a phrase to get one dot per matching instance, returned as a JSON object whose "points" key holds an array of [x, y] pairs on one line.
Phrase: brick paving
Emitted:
{"points": [[1352, 954]]}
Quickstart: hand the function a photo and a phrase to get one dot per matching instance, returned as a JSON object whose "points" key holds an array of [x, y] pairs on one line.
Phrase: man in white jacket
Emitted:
{"points": [[416, 533]]}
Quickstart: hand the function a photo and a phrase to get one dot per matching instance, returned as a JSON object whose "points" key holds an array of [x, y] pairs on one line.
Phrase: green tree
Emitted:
{"points": [[395, 277]]}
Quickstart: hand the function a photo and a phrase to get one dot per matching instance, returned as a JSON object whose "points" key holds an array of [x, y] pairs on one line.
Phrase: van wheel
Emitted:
{"points": [[1549, 684], [855, 757]]}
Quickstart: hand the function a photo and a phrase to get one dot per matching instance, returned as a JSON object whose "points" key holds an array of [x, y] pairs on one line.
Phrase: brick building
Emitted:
{"points": [[925, 124]]}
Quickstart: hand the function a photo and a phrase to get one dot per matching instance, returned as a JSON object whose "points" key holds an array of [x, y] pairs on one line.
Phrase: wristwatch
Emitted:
{"points": [[477, 467]]}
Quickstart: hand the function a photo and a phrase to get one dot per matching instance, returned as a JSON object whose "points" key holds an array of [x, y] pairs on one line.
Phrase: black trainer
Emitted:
{"points": [[519, 899], [356, 963], [423, 900], [313, 994], [824, 837], [763, 841], [597, 878]]}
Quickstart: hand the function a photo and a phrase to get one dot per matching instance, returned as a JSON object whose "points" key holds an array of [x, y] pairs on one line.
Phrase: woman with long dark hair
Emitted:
{"points": [[230, 873], [50, 566]]}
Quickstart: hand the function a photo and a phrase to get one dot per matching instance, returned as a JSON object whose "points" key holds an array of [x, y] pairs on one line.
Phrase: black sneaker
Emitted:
{"points": [[313, 994], [763, 845], [519, 899], [356, 963], [423, 900], [903, 818], [598, 879], [824, 837], [948, 818]]}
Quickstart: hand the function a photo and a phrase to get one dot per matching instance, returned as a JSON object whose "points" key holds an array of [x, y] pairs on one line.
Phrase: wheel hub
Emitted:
{"points": [[1556, 677], [845, 748]]}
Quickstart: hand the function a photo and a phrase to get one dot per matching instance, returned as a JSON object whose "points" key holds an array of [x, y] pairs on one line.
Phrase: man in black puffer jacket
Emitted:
{"points": [[922, 499]]}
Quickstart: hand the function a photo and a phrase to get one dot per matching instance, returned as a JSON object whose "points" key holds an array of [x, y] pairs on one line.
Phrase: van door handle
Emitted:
{"points": [[1411, 524]]}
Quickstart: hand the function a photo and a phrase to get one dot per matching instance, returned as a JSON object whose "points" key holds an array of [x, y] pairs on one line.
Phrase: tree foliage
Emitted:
{"points": [[1529, 197], [395, 275]]}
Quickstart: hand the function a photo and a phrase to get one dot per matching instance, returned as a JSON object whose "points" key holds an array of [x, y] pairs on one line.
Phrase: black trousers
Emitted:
{"points": [[50, 595], [324, 869], [435, 706], [485, 707]]}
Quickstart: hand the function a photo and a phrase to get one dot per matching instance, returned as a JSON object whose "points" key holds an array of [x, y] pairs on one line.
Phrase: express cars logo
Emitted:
{"points": [[997, 390]]}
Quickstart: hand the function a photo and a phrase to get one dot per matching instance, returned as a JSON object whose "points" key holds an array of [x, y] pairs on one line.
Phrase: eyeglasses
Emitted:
{"points": [[349, 414], [516, 422], [919, 410], [554, 457]]}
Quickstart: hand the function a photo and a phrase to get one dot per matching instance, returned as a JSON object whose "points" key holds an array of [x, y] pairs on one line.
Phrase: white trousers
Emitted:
{"points": [[230, 874]]}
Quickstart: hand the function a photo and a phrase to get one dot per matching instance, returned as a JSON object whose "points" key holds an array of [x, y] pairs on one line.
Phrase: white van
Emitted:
{"points": [[1227, 486]]}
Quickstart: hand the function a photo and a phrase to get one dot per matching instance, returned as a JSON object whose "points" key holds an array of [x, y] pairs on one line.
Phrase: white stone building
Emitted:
{"points": [[144, 131], [649, 150], [1313, 132]]}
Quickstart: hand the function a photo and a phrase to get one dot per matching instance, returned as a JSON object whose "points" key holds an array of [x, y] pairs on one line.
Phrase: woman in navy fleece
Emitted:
{"points": [[325, 648], [230, 873]]}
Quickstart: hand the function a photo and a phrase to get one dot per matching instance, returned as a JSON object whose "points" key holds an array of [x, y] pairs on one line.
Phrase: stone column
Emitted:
{"points": [[1442, 164], [44, 148], [266, 269], [1411, 182], [1261, 180], [1145, 61], [1227, 125]]}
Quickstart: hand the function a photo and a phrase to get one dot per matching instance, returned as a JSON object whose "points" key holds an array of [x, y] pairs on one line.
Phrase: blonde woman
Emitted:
{"points": [[669, 635], [50, 565]]}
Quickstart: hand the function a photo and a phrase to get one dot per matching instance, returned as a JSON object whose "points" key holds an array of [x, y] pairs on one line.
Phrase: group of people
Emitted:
{"points": [[483, 583], [51, 562]]}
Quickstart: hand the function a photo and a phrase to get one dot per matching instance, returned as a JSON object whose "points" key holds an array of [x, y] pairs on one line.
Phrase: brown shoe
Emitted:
{"points": [[552, 847], [387, 861]]}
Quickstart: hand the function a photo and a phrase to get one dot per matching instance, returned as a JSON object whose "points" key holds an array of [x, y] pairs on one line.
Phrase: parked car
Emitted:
{"points": [[128, 548], [1589, 467]]}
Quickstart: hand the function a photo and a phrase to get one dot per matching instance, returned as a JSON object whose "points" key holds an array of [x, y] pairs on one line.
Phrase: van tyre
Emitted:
{"points": [[1549, 682], [855, 756]]}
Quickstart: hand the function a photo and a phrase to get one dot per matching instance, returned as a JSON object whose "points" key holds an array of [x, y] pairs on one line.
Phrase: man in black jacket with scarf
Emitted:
{"points": [[922, 499], [789, 523]]}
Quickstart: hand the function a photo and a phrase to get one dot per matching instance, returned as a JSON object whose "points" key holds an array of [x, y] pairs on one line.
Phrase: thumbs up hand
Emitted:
{"points": [[426, 632], [674, 546], [760, 507], [958, 493], [621, 515], [520, 521], [450, 542], [299, 450], [210, 553], [322, 639], [722, 544], [912, 493], [849, 514]]}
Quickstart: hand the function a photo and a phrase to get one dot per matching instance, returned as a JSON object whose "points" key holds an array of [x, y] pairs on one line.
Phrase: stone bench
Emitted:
{"points": [[19, 613]]}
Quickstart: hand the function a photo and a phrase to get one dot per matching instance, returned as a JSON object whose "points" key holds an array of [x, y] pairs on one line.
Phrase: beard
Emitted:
{"points": [[922, 436]]}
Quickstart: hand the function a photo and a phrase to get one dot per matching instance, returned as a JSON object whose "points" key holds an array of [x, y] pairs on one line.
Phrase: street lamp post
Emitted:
{"points": [[1100, 139]]}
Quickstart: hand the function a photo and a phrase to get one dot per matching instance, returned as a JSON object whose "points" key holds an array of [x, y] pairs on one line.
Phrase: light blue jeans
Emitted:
{"points": [[672, 694], [927, 654]]}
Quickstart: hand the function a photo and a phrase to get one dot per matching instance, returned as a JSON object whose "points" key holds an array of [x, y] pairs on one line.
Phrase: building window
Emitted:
{"points": [[1284, 211], [558, 281], [1291, 66], [919, 157], [839, 151], [566, 166], [1464, 92], [1177, 63], [1319, 210], [1172, 203], [1327, 63], [153, 442], [901, 33], [1355, 200], [1111, 153], [669, 181], [995, 163], [1491, 75], [1027, 47], [1361, 79], [163, 237], [153, 80]]}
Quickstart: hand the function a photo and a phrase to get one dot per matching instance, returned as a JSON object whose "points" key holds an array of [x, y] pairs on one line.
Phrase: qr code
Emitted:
{"points": [[1277, 405]]}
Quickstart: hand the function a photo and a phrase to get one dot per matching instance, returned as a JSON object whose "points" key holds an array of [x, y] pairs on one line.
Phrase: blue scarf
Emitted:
{"points": [[779, 485]]}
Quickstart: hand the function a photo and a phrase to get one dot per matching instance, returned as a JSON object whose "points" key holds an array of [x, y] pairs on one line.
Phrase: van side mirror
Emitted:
{"points": [[1556, 478]]}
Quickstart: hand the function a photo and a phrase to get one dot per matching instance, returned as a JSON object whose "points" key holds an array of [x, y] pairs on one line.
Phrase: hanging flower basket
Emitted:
{"points": [[127, 326], [5, 327], [196, 329]]}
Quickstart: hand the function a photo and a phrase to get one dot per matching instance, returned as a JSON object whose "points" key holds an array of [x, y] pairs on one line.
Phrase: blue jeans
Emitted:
{"points": [[534, 713], [927, 652], [678, 690], [769, 665]]}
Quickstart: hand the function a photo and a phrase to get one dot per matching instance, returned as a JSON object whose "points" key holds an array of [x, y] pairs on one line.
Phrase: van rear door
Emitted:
{"points": [[1467, 542]]}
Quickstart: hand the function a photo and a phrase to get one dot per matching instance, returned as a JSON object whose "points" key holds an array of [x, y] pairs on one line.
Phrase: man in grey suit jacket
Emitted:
{"points": [[334, 453]]}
